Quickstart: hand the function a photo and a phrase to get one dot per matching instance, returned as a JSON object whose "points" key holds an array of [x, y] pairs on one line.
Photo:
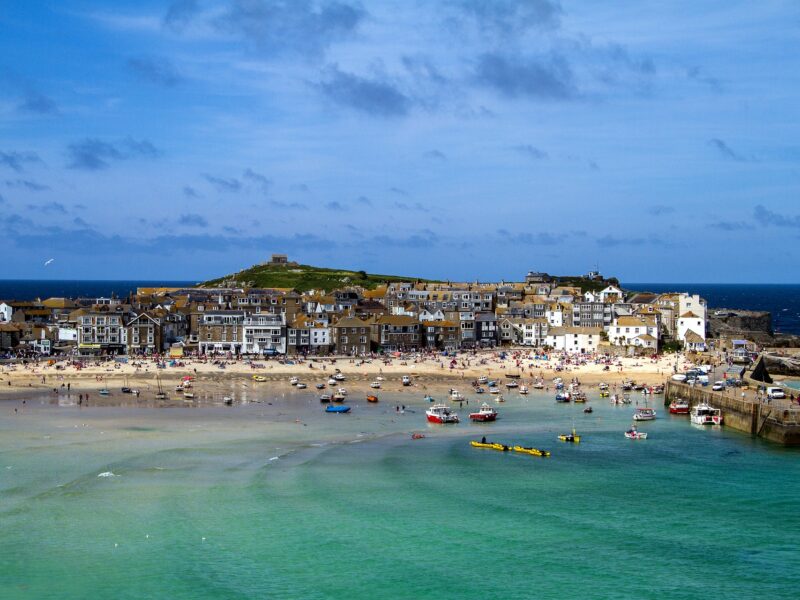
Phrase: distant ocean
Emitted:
{"points": [[30, 289], [783, 301]]}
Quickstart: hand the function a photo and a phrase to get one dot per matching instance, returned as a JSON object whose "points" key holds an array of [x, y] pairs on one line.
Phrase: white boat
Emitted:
{"points": [[603, 387], [538, 385], [494, 390], [339, 377], [679, 377], [644, 414], [456, 395], [633, 434], [342, 391], [294, 380], [441, 413], [332, 381], [406, 380], [375, 385], [380, 379], [703, 414], [188, 395], [523, 389], [483, 379], [512, 384], [301, 386]]}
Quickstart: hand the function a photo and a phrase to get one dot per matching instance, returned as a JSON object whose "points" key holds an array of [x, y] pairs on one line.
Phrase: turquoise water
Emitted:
{"points": [[352, 507]]}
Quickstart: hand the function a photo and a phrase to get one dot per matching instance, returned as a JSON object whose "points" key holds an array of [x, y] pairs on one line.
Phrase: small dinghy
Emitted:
{"points": [[337, 409]]}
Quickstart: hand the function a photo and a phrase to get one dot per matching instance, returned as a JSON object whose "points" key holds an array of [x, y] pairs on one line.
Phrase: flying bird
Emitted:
{"points": [[48, 261]]}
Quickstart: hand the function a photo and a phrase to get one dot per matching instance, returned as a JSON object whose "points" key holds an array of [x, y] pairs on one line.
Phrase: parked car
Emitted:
{"points": [[775, 393], [718, 386]]}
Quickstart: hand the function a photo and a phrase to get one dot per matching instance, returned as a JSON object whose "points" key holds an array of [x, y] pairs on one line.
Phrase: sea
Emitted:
{"points": [[30, 289], [274, 498], [782, 300]]}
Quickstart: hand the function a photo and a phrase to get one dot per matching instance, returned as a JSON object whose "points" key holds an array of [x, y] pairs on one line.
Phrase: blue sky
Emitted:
{"points": [[456, 139]]}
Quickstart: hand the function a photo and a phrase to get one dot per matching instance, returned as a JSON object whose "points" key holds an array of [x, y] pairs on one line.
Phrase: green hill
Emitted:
{"points": [[305, 277]]}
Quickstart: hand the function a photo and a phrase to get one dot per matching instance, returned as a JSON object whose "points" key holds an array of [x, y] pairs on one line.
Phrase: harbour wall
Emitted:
{"points": [[778, 422]]}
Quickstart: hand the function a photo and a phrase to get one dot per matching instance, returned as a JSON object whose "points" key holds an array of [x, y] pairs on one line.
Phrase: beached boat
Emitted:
{"points": [[603, 386], [375, 385], [161, 394], [104, 392], [538, 385], [258, 378], [512, 384], [523, 389], [294, 380], [337, 409], [227, 400], [531, 451], [659, 389], [679, 407], [483, 379], [441, 413], [339, 377], [332, 381], [342, 391], [429, 399], [588, 410], [320, 386], [642, 413], [126, 390], [679, 377], [579, 397], [489, 445], [456, 396], [633, 434], [562, 397], [500, 399], [325, 398], [704, 414], [371, 398], [179, 388], [573, 437], [494, 390], [188, 395], [337, 397], [406, 380], [485, 414], [480, 390]]}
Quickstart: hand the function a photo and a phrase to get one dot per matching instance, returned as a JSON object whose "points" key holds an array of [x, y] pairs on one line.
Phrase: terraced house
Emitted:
{"points": [[397, 333], [221, 331]]}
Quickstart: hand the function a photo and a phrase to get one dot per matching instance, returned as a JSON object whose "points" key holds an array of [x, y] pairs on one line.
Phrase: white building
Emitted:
{"points": [[640, 331], [610, 293], [264, 334], [320, 337], [691, 325], [577, 340], [554, 315], [5, 312], [530, 332]]}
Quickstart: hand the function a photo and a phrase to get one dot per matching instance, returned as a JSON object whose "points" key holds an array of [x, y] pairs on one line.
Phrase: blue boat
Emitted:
{"points": [[337, 409]]}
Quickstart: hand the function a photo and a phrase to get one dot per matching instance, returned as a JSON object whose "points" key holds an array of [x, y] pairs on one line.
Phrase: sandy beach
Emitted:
{"points": [[214, 378]]}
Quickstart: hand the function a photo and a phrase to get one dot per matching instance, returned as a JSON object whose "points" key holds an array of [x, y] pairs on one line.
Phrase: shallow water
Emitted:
{"points": [[283, 500]]}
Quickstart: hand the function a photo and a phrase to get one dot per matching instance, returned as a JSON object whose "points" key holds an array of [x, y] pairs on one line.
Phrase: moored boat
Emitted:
{"points": [[441, 413], [485, 414], [371, 398], [562, 397], [301, 386], [489, 445], [483, 379], [642, 413], [337, 409], [325, 398], [294, 380], [679, 407], [633, 434], [573, 437], [456, 396], [523, 389], [512, 384], [376, 385], [337, 397], [704, 414], [259, 378], [532, 451], [320, 386]]}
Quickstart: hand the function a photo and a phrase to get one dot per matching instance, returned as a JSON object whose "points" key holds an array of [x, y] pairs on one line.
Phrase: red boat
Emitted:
{"points": [[485, 414], [441, 413], [679, 407]]}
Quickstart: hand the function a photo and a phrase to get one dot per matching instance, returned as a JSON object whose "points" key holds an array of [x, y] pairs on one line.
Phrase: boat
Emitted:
{"points": [[342, 391], [337, 397], [406, 380], [562, 397], [531, 451], [588, 410], [642, 413], [429, 399], [417, 436], [704, 414], [604, 394], [480, 390], [626, 398], [679, 377], [227, 400], [485, 414], [579, 397], [259, 378], [294, 380], [339, 377], [603, 387], [489, 446], [179, 388], [104, 392], [337, 409], [538, 385], [320, 386], [160, 395], [512, 384], [632, 434], [573, 437], [301, 386], [188, 395], [615, 399], [494, 390], [483, 379], [659, 389], [332, 381], [126, 390], [441, 413], [523, 389], [679, 407], [325, 398], [456, 396], [500, 399], [371, 398], [375, 385]]}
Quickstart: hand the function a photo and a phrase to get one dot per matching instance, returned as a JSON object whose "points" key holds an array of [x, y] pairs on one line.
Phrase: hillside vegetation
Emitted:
{"points": [[306, 277]]}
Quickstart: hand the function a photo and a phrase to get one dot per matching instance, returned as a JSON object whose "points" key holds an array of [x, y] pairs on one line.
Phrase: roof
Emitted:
{"points": [[646, 337], [397, 320], [689, 315], [574, 330], [638, 321], [692, 337]]}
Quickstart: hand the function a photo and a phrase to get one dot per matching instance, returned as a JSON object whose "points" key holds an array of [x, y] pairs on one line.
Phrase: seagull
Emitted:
{"points": [[47, 262]]}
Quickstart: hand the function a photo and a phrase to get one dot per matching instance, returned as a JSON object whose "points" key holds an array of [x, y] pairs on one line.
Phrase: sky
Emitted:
{"points": [[459, 139]]}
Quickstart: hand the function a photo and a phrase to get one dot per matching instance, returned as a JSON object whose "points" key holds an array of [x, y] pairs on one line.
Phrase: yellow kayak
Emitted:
{"points": [[531, 451], [259, 378], [489, 446]]}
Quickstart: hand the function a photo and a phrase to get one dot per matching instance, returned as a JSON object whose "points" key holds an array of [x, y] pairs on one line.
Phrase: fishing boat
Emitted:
{"points": [[538, 385], [494, 390], [160, 395], [301, 386], [320, 386], [294, 380], [679, 407], [332, 381], [337, 409], [125, 389], [456, 396], [371, 398], [342, 391], [483, 379], [704, 414], [375, 385], [339, 377], [562, 397], [512, 384], [588, 410], [259, 378], [603, 387], [579, 397], [406, 380], [441, 413], [633, 434], [489, 446], [480, 390], [572, 438], [485, 414], [325, 398], [523, 389], [531, 451], [337, 397], [642, 413], [188, 395]]}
